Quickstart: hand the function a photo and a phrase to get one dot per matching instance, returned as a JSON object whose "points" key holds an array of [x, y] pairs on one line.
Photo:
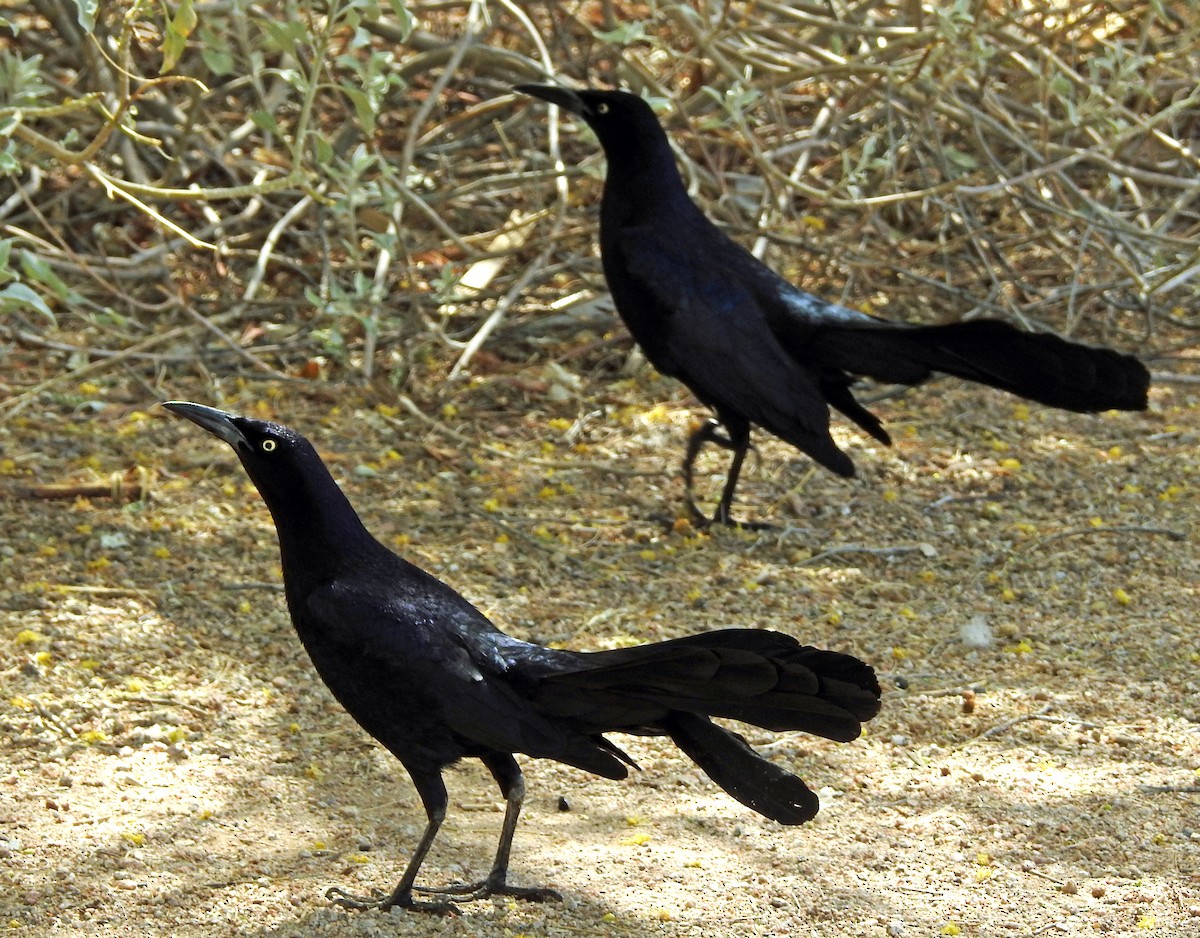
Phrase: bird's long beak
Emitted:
{"points": [[563, 97], [216, 422]]}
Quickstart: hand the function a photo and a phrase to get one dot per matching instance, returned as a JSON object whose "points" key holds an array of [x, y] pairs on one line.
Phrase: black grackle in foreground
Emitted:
{"points": [[760, 351], [426, 674]]}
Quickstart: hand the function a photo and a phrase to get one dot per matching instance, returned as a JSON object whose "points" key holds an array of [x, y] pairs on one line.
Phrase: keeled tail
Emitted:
{"points": [[1033, 365], [763, 678]]}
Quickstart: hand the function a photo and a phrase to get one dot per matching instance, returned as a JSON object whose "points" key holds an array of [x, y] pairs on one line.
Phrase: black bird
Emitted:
{"points": [[426, 674], [759, 350]]}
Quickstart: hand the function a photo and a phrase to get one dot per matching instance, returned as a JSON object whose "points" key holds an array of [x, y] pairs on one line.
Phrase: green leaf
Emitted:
{"points": [[219, 61], [19, 296], [37, 269], [265, 120], [623, 35], [178, 30], [21, 79], [285, 36], [172, 48], [214, 50], [960, 158], [184, 20], [400, 11], [324, 152], [85, 13], [9, 164], [363, 107], [34, 266]]}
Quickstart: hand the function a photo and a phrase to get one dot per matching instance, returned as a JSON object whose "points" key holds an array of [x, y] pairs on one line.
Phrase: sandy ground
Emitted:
{"points": [[1024, 580]]}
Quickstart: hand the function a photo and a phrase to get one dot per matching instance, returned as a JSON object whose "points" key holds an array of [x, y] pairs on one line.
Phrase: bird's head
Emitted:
{"points": [[318, 529], [281, 463], [620, 119]]}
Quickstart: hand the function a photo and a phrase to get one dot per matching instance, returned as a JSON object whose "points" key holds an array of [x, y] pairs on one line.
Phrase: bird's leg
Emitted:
{"points": [[724, 513], [434, 797], [508, 775], [737, 441], [707, 432]]}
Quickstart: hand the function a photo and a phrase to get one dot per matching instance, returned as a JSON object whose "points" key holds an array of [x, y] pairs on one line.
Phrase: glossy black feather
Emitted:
{"points": [[762, 352], [426, 674]]}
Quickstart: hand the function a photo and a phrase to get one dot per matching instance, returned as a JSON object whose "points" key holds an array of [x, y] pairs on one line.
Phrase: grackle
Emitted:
{"points": [[759, 350], [426, 674]]}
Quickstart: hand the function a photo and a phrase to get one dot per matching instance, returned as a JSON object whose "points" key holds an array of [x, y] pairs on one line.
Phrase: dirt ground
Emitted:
{"points": [[1024, 580]]}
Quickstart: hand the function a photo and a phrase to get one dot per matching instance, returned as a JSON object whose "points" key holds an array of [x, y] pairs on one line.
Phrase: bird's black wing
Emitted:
{"points": [[433, 642], [709, 310]]}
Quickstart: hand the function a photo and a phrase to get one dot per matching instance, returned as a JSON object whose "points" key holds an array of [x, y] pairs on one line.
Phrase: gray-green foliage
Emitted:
{"points": [[284, 179], [21, 86], [205, 122]]}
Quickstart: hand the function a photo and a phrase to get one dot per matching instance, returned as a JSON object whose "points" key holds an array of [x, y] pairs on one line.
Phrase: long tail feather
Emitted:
{"points": [[764, 678], [730, 762], [760, 677], [1033, 365]]}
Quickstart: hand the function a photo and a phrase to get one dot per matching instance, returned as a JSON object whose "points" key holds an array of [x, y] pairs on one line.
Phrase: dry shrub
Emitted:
{"points": [[258, 192]]}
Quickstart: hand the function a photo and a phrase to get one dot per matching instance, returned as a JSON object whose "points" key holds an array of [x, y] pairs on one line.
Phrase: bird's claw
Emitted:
{"points": [[346, 900], [531, 893], [701, 521], [378, 900], [746, 525], [468, 892]]}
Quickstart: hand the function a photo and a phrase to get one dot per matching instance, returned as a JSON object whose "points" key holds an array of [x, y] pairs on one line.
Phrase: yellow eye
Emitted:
{"points": [[268, 446], [601, 108]]}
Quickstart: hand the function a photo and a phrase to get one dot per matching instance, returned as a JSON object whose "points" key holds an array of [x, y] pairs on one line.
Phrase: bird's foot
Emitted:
{"points": [[339, 896], [701, 521], [468, 892], [378, 900], [746, 525]]}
